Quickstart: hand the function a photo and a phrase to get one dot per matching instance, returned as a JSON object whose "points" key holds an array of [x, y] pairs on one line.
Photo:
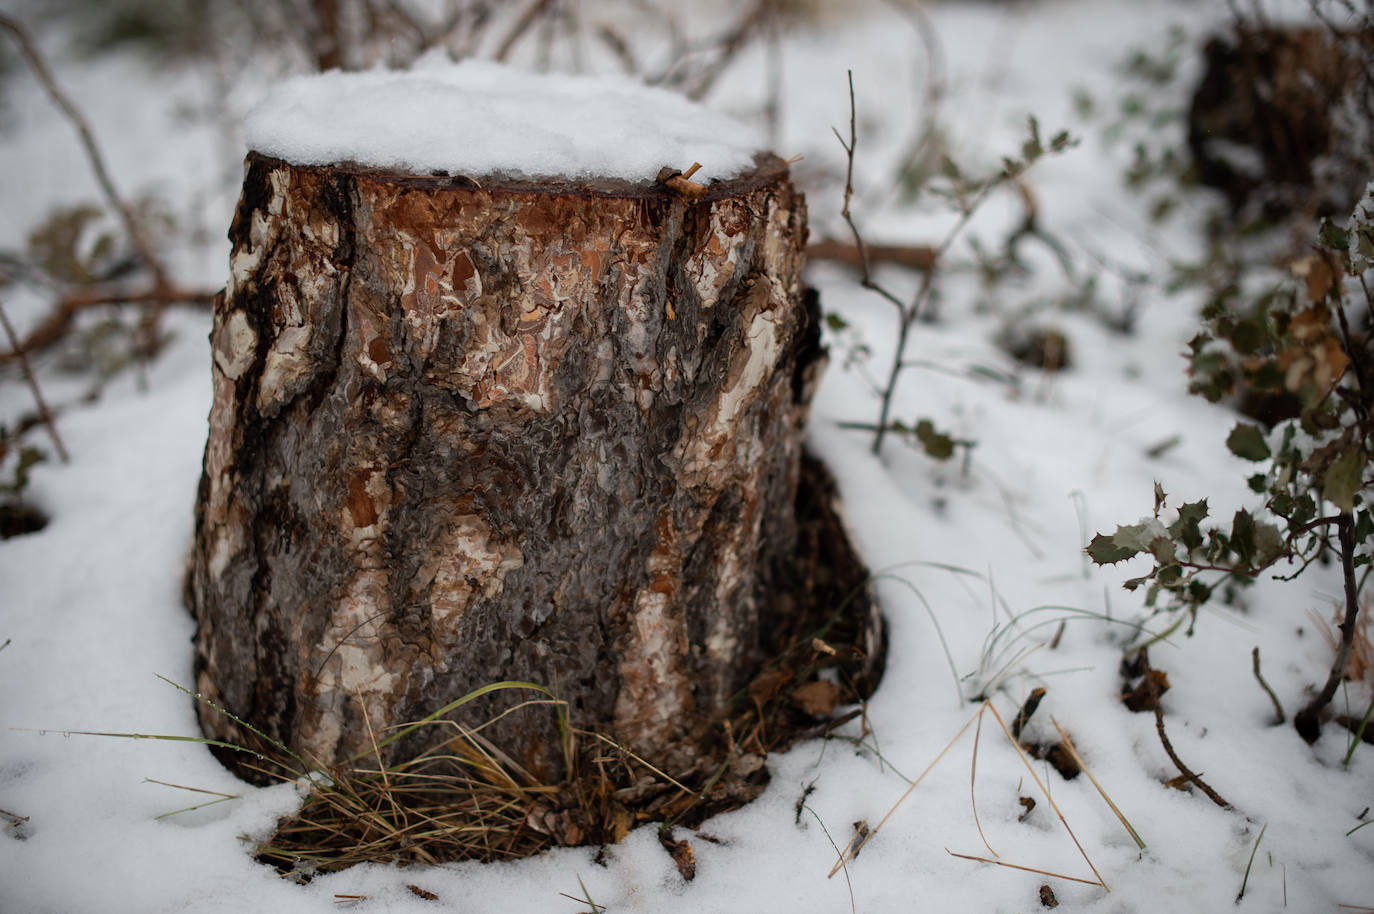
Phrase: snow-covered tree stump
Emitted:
{"points": [[471, 431]]}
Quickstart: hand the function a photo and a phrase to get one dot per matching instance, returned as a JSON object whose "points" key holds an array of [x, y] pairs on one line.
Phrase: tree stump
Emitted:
{"points": [[466, 432]]}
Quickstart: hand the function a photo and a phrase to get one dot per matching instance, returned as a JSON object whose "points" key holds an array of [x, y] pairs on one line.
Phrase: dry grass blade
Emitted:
{"points": [[1045, 790], [972, 783], [839, 855], [31, 379], [658, 771], [1073, 751], [1245, 880], [854, 847], [1027, 869]]}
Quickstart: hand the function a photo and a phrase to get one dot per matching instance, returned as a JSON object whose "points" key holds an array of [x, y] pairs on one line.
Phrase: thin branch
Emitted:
{"points": [[866, 280], [1352, 350], [43, 412], [730, 44], [1164, 740], [1278, 708], [532, 14], [915, 257], [1307, 721], [59, 320], [131, 222]]}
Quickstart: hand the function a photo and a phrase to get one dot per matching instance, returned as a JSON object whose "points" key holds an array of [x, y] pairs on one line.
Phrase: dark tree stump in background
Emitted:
{"points": [[467, 433]]}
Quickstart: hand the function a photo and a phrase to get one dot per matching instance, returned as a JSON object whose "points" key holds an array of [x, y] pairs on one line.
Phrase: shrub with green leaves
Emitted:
{"points": [[1308, 340]]}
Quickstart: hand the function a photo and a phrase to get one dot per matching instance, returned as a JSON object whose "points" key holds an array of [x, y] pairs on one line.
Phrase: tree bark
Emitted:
{"points": [[469, 432]]}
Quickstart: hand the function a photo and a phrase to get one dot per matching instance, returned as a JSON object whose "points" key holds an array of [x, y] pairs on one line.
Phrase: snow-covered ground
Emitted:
{"points": [[977, 560]]}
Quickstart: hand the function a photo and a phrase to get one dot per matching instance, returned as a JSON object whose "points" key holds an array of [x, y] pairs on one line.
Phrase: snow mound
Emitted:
{"points": [[478, 118]]}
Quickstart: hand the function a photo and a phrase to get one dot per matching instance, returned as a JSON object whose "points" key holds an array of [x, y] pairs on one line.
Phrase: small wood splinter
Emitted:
{"points": [[680, 181]]}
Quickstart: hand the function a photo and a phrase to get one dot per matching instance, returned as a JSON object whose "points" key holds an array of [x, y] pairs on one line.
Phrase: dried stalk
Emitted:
{"points": [[1278, 708], [43, 412], [1307, 721], [126, 213], [55, 326], [1164, 740]]}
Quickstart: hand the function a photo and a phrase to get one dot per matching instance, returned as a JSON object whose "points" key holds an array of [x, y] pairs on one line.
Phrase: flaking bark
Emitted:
{"points": [[465, 432]]}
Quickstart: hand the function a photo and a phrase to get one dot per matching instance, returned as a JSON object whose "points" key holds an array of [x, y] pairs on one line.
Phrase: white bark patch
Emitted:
{"points": [[287, 365], [354, 668], [235, 344], [706, 448], [723, 641], [653, 693], [712, 267], [468, 564]]}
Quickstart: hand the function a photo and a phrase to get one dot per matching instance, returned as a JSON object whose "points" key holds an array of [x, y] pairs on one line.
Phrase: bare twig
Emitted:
{"points": [[864, 264], [43, 412], [1278, 708], [532, 14], [915, 12], [1183, 769], [915, 257], [132, 225], [730, 44], [55, 325], [1307, 721]]}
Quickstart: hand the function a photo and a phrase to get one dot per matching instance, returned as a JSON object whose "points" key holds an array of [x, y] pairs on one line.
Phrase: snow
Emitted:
{"points": [[478, 118], [982, 560]]}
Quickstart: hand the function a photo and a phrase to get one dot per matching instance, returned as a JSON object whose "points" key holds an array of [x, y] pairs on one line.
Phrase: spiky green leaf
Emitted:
{"points": [[1186, 529], [1243, 536], [1342, 478], [1246, 441], [1105, 552]]}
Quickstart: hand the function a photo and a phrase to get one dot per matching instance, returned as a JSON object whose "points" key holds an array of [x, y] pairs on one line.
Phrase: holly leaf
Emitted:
{"points": [[1342, 478], [1268, 543], [1243, 535], [1124, 543], [1186, 529], [1104, 552], [1247, 442], [1163, 550]]}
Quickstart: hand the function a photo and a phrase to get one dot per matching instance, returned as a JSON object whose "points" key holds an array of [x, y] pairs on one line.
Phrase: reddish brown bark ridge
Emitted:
{"points": [[471, 431]]}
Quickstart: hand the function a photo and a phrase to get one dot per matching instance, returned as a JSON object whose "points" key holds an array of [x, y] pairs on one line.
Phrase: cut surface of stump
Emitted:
{"points": [[473, 431]]}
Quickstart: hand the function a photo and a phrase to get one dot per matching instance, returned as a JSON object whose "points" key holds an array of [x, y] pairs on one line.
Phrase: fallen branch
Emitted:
{"points": [[43, 412], [55, 326], [126, 213], [916, 257], [1278, 708], [1308, 721], [1164, 740]]}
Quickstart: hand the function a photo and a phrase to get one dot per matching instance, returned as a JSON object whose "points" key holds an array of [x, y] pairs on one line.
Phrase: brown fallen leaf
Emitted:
{"points": [[817, 698], [1146, 693], [686, 860]]}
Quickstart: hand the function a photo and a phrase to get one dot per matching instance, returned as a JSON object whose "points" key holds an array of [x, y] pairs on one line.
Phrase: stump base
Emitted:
{"points": [[828, 624]]}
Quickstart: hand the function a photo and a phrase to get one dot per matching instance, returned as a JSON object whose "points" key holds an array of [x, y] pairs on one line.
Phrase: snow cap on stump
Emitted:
{"points": [[480, 118]]}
